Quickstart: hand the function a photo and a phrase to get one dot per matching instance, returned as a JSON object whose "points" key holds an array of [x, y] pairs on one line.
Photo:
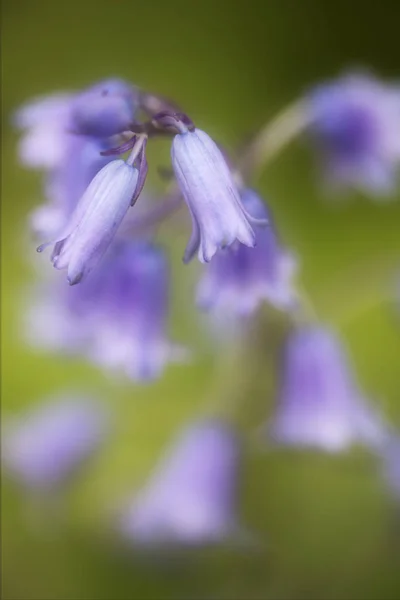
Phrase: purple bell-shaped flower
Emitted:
{"points": [[191, 498], [319, 403]]}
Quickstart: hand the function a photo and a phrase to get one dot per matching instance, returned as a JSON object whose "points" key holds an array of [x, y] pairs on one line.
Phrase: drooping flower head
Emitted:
{"points": [[41, 448], [117, 317], [356, 124], [65, 134], [191, 498], [96, 219], [205, 180], [319, 403], [239, 278]]}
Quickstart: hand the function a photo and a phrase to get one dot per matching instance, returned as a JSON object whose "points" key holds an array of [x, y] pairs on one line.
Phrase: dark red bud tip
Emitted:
{"points": [[186, 121], [175, 120]]}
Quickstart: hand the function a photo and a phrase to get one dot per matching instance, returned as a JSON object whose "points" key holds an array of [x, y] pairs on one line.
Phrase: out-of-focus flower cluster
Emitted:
{"points": [[115, 311], [193, 495], [117, 315]]}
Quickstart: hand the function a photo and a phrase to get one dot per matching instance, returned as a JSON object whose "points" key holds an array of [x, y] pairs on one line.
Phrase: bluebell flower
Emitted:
{"points": [[319, 403], [239, 278], [95, 220], [356, 125], [191, 498], [65, 134], [44, 446], [117, 318], [205, 180]]}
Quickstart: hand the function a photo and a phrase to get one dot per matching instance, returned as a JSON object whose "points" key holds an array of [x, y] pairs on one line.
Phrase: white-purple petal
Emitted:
{"points": [[65, 135], [238, 279], [67, 182], [96, 219], [207, 185]]}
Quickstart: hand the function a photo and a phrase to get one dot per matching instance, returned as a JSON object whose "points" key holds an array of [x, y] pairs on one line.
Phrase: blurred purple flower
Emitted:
{"points": [[356, 124], [238, 278], [95, 221], [41, 448], [45, 123], [105, 109], [191, 498], [218, 216], [117, 317], [65, 134], [320, 404]]}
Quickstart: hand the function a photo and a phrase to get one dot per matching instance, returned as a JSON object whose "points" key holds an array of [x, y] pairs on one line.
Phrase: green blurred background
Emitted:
{"points": [[329, 525]]}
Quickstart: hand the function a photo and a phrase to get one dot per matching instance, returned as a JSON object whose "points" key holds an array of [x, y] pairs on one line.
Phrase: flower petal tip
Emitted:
{"points": [[188, 256], [73, 280]]}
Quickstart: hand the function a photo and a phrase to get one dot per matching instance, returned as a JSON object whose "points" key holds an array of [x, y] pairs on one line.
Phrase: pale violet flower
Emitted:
{"points": [[64, 134], [95, 220], [191, 498], [356, 125], [319, 403], [43, 446], [239, 278], [205, 180], [130, 335], [117, 318], [102, 110]]}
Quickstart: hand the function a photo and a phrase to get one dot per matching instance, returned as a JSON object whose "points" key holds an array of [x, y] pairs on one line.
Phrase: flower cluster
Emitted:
{"points": [[115, 312], [95, 209], [100, 221]]}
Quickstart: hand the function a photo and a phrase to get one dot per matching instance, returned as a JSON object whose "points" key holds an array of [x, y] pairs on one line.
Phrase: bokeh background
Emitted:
{"points": [[330, 526]]}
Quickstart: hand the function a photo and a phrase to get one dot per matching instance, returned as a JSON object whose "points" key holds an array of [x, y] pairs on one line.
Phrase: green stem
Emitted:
{"points": [[242, 371], [273, 137]]}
